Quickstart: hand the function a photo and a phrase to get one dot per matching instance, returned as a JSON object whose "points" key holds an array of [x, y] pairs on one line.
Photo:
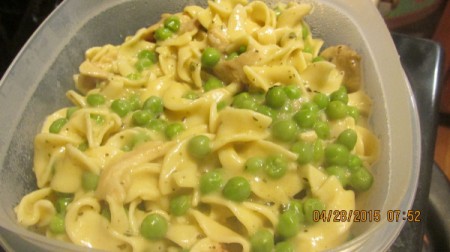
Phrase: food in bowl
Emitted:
{"points": [[225, 128]]}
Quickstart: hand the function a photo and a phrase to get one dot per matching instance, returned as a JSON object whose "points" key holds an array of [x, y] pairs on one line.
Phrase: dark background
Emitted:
{"points": [[18, 20]]}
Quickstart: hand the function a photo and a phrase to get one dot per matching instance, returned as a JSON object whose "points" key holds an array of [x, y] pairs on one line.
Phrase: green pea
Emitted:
{"points": [[276, 97], [305, 31], [162, 33], [172, 23], [212, 83], [121, 107], [63, 195], [242, 96], [106, 213], [361, 180], [126, 148], [293, 91], [244, 101], [221, 105], [154, 104], [336, 154], [173, 129], [242, 49], [70, 112], [296, 206], [322, 129], [157, 125], [288, 224], [147, 54], [319, 151], [237, 189], [340, 95], [347, 138], [99, 119], [57, 125], [232, 56], [310, 106], [143, 64], [199, 146], [254, 165], [354, 162], [154, 227], [210, 57], [89, 181], [134, 76], [258, 98], [142, 117], [336, 110], [308, 49], [140, 137], [317, 59], [83, 146], [353, 112], [95, 100], [305, 118], [322, 100], [309, 206], [276, 166], [284, 246], [57, 224], [62, 203], [284, 130], [265, 110], [262, 241], [340, 172], [191, 95], [135, 102], [211, 181], [180, 205], [304, 150]]}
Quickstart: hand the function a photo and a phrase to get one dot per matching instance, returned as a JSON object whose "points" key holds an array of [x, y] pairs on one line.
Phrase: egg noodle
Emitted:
{"points": [[216, 129]]}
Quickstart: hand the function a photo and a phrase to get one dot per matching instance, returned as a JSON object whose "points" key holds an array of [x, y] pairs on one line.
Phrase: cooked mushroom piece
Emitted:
{"points": [[348, 61], [233, 70]]}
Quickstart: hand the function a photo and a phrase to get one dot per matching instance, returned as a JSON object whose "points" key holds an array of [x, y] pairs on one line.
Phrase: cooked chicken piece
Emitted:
{"points": [[187, 24], [218, 39], [232, 70], [348, 61]]}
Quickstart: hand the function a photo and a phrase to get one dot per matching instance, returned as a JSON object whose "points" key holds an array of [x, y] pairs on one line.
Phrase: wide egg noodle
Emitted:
{"points": [[219, 233], [367, 145], [323, 234], [251, 221], [142, 183], [85, 226], [35, 209], [184, 235], [141, 167], [111, 179], [240, 125], [322, 77], [178, 169], [97, 67], [69, 168], [361, 101]]}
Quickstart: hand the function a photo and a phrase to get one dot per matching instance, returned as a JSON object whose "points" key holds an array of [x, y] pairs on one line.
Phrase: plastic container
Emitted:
{"points": [[36, 83]]}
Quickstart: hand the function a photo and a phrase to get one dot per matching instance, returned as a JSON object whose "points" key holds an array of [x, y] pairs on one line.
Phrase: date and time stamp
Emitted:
{"points": [[366, 216]]}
